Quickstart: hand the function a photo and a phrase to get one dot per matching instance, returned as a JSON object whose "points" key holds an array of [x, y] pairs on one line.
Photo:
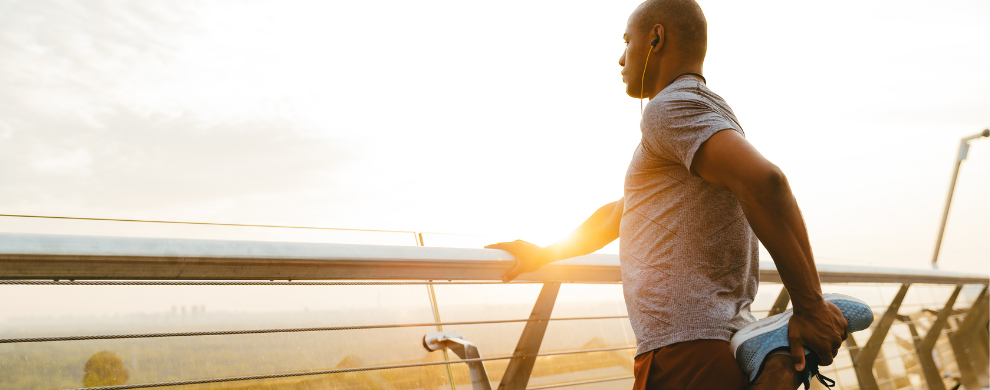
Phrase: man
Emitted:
{"points": [[696, 197]]}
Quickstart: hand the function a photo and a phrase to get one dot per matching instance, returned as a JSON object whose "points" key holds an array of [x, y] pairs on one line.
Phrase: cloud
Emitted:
{"points": [[80, 127], [138, 160]]}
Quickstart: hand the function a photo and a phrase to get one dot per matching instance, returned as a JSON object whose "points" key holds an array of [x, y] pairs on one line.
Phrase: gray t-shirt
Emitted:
{"points": [[690, 261]]}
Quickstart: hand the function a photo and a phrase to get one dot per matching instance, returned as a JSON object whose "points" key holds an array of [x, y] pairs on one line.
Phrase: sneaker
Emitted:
{"points": [[752, 344]]}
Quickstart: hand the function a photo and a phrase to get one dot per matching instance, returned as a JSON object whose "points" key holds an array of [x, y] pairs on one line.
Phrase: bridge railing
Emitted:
{"points": [[947, 343]]}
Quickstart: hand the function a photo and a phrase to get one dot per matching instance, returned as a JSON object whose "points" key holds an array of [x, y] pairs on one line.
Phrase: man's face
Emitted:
{"points": [[634, 57]]}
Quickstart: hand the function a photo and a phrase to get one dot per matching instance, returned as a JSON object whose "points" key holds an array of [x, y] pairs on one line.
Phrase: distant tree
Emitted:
{"points": [[105, 368]]}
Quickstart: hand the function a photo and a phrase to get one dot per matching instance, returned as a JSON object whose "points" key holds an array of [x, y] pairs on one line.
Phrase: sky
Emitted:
{"points": [[501, 119]]}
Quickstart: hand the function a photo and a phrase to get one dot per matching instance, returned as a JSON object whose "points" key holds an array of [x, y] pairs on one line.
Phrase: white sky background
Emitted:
{"points": [[498, 118]]}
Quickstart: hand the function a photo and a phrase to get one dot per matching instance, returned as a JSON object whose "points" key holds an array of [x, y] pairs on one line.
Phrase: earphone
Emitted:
{"points": [[642, 80]]}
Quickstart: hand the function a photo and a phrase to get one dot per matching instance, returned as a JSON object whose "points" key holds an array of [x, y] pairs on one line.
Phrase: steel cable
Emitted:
{"points": [[285, 330]]}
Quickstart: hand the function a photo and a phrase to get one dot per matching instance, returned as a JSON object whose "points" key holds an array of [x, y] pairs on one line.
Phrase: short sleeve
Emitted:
{"points": [[675, 129]]}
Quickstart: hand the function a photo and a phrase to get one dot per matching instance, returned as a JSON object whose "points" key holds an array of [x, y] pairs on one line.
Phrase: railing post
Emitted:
{"points": [[973, 366], [781, 303], [436, 313], [863, 362], [983, 334], [928, 367], [521, 365]]}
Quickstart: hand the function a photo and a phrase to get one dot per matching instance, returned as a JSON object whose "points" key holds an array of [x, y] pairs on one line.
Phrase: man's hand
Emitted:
{"points": [[596, 232], [822, 330], [529, 257]]}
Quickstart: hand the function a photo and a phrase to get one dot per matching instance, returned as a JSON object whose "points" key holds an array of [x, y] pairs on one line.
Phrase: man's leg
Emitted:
{"points": [[691, 365], [778, 374]]}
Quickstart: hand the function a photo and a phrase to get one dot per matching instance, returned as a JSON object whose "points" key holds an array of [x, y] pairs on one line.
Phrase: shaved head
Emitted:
{"points": [[682, 20], [680, 51]]}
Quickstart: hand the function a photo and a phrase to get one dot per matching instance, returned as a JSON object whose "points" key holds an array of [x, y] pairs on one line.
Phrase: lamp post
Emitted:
{"points": [[963, 153]]}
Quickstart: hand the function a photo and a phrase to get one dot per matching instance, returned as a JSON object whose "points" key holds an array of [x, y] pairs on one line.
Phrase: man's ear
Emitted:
{"points": [[658, 37]]}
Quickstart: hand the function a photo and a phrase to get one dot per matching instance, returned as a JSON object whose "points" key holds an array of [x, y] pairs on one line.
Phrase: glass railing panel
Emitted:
{"points": [[582, 301], [899, 357], [610, 385], [488, 302], [93, 310], [484, 302], [430, 377], [766, 295], [589, 300], [587, 334], [840, 371], [922, 297], [64, 364], [126, 310], [968, 296], [88, 310], [553, 370], [599, 384]]}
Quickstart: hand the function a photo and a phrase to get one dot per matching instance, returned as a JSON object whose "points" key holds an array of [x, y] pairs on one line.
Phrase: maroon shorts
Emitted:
{"points": [[697, 364]]}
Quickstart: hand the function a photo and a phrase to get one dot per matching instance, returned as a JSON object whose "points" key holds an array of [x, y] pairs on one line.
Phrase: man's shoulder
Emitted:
{"points": [[674, 105], [679, 96]]}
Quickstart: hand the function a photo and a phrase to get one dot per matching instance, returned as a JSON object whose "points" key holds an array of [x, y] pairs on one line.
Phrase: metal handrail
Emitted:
{"points": [[74, 257]]}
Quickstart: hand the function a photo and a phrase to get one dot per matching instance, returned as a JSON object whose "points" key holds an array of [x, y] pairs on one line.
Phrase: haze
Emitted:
{"points": [[503, 119]]}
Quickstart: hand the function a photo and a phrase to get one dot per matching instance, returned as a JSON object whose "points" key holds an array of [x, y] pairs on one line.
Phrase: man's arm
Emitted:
{"points": [[597, 231], [731, 163]]}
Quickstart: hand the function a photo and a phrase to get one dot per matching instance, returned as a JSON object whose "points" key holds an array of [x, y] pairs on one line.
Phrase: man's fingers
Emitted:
{"points": [[513, 273], [797, 354], [509, 247], [502, 245], [825, 356]]}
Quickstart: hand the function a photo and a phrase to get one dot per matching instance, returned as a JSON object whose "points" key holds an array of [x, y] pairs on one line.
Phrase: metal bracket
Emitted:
{"points": [[973, 365], [521, 366], [863, 362], [465, 350], [932, 377]]}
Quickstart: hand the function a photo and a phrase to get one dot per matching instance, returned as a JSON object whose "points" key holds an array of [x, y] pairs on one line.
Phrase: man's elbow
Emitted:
{"points": [[770, 184], [774, 180]]}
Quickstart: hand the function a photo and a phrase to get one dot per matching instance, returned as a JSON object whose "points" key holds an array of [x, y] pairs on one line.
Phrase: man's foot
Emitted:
{"points": [[752, 344]]}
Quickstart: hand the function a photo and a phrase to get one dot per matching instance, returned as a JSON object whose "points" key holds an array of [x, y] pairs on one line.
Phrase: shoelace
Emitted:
{"points": [[813, 372]]}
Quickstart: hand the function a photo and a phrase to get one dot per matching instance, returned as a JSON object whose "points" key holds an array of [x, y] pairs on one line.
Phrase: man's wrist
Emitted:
{"points": [[807, 303], [550, 254]]}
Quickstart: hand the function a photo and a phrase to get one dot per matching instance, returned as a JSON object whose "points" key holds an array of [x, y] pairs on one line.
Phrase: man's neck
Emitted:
{"points": [[668, 74]]}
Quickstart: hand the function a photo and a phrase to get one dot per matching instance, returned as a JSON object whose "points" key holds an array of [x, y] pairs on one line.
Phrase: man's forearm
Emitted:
{"points": [[774, 215], [597, 231]]}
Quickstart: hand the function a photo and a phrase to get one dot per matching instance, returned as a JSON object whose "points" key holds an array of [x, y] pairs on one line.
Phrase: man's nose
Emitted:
{"points": [[622, 59]]}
